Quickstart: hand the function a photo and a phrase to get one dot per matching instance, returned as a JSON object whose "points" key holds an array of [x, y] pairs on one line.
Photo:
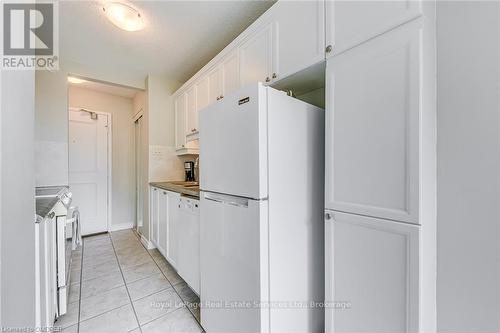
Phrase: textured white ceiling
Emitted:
{"points": [[180, 36]]}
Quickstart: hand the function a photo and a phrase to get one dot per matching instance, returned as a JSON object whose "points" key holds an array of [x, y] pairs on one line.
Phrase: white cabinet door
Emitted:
{"points": [[153, 215], [172, 228], [180, 121], [230, 73], [256, 56], [373, 102], [202, 93], [188, 260], [350, 23], [162, 221], [300, 34], [372, 265], [191, 110], [215, 84]]}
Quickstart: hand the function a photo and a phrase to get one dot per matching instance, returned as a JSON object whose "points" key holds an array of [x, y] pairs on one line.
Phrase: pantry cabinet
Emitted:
{"points": [[375, 264], [350, 23], [374, 106]]}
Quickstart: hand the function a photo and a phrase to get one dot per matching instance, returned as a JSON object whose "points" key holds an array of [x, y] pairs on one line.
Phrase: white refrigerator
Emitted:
{"points": [[261, 213]]}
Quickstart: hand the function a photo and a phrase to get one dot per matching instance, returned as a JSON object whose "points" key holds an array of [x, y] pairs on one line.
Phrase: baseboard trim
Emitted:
{"points": [[147, 244], [121, 226]]}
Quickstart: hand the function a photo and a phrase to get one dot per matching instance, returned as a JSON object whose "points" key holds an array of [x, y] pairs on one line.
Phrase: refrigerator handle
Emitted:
{"points": [[227, 199]]}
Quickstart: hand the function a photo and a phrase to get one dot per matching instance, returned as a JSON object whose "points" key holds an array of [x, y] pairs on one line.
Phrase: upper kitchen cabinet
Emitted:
{"points": [[202, 92], [257, 57], [215, 84], [180, 121], [373, 126], [299, 32], [230, 73], [350, 23], [191, 111], [181, 103]]}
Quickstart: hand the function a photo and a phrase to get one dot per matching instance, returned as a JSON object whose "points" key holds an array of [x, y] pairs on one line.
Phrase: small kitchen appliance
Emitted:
{"points": [[189, 169]]}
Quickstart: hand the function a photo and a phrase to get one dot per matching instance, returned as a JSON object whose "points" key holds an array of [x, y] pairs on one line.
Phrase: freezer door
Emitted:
{"points": [[233, 144], [234, 264]]}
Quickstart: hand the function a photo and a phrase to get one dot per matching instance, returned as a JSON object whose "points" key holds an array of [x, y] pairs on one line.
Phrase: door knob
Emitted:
{"points": [[328, 49], [328, 216], [268, 79]]}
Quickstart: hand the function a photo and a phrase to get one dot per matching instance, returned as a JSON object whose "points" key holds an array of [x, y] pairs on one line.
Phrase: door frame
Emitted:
{"points": [[109, 158]]}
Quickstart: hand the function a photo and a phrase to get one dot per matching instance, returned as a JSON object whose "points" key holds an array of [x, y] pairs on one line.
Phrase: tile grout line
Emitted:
{"points": [[175, 290], [126, 287]]}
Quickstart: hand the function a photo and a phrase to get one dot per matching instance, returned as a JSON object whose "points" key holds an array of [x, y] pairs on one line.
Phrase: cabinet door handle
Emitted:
{"points": [[274, 75], [328, 216], [268, 79], [328, 49]]}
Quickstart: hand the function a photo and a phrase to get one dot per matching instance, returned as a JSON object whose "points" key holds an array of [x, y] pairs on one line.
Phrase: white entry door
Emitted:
{"points": [[88, 169]]}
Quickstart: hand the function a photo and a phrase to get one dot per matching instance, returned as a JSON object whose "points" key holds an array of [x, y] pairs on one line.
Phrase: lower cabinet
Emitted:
{"points": [[153, 215], [175, 231], [372, 274], [163, 209]]}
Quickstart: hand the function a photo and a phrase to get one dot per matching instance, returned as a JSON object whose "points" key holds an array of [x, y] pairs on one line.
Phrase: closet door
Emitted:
{"points": [[373, 102], [350, 23]]}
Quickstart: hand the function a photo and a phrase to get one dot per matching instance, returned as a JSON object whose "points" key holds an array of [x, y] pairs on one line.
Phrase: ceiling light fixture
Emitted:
{"points": [[123, 16], [75, 80]]}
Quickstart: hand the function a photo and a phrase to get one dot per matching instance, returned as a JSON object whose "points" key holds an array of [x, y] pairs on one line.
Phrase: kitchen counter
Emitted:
{"points": [[186, 188]]}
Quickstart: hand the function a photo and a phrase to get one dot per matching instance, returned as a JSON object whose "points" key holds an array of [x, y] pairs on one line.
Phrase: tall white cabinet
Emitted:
{"points": [[380, 187]]}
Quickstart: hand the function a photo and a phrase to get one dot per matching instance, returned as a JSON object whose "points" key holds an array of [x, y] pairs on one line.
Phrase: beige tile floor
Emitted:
{"points": [[119, 286]]}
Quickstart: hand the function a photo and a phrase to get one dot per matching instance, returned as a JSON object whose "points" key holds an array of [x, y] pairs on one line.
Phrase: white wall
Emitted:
{"points": [[164, 164], [17, 227], [468, 46], [51, 128], [123, 162]]}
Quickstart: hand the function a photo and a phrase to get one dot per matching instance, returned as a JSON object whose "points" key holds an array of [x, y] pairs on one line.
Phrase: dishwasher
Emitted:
{"points": [[188, 259]]}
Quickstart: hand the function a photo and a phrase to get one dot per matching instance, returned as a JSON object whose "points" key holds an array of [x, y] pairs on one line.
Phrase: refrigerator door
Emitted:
{"points": [[233, 144], [234, 264]]}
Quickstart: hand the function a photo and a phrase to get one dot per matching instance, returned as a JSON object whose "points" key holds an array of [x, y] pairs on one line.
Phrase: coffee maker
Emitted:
{"points": [[189, 169]]}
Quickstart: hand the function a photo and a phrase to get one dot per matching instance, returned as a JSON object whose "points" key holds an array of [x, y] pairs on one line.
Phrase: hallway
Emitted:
{"points": [[119, 286]]}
